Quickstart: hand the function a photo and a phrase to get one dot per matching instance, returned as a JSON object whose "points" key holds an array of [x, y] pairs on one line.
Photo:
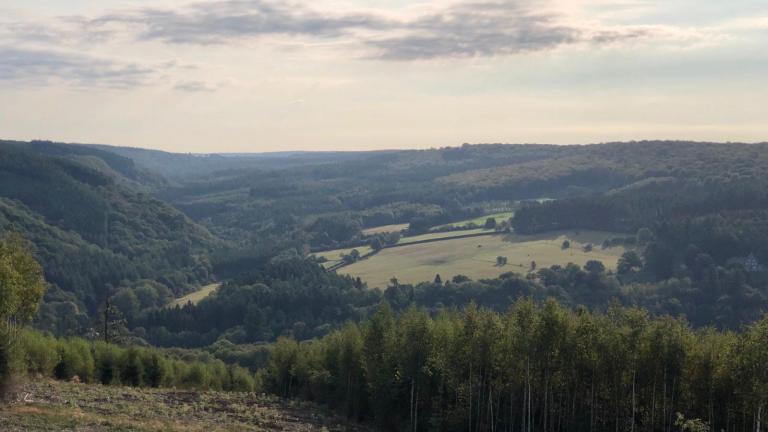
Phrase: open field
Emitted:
{"points": [[480, 221], [196, 296], [475, 257], [385, 229], [334, 256], [57, 406]]}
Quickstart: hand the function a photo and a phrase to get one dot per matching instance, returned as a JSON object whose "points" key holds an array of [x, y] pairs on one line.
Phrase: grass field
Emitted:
{"points": [[334, 256], [57, 406], [196, 296], [385, 229], [476, 257], [480, 221]]}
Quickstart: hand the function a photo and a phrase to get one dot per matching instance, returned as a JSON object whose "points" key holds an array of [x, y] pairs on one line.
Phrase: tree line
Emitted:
{"points": [[293, 296], [537, 367], [81, 360], [24, 351]]}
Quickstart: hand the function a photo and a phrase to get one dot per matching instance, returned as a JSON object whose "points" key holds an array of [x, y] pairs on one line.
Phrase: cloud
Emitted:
{"points": [[222, 21], [194, 86], [486, 29], [466, 29], [45, 66]]}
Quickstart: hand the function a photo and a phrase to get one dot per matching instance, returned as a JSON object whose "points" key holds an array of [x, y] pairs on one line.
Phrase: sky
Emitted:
{"points": [[262, 75]]}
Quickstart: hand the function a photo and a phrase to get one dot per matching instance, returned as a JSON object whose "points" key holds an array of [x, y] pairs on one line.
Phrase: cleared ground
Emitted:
{"points": [[58, 406], [476, 257], [196, 296], [480, 221], [385, 229]]}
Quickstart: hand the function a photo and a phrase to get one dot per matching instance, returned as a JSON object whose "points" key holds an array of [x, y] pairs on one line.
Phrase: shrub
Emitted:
{"points": [[197, 376], [241, 380], [107, 363], [156, 369], [38, 353], [132, 372], [75, 360], [110, 364]]}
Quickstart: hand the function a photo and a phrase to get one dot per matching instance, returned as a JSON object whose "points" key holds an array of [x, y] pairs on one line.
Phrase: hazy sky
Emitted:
{"points": [[264, 75]]}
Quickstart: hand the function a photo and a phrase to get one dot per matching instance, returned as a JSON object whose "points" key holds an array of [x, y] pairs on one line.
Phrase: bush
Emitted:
{"points": [[39, 353], [132, 373], [241, 380], [196, 377], [107, 363], [156, 369], [110, 364], [75, 360]]}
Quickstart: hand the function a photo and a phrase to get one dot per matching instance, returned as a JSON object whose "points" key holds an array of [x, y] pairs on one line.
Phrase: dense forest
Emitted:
{"points": [[94, 230], [532, 368], [676, 326], [103, 224], [294, 297]]}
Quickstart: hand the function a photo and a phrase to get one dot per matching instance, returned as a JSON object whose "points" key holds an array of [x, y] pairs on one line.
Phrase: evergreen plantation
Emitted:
{"points": [[533, 368]]}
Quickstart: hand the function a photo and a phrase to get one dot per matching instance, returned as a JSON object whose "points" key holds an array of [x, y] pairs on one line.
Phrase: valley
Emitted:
{"points": [[383, 215], [325, 272]]}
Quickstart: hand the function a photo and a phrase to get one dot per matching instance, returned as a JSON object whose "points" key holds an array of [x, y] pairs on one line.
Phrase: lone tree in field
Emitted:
{"points": [[21, 288], [566, 244], [594, 267], [501, 261], [490, 223], [353, 256], [629, 262]]}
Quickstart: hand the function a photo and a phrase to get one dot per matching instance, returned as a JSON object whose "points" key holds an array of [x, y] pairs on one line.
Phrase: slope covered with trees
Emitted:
{"points": [[120, 232], [96, 216], [349, 191], [532, 368], [93, 230]]}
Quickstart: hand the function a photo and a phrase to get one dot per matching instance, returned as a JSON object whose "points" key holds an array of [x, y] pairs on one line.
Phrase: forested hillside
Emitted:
{"points": [[99, 219], [558, 346], [331, 199], [100, 224], [95, 229], [531, 368]]}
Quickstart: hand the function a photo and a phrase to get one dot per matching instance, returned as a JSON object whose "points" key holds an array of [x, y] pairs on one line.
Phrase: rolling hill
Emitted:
{"points": [[94, 227]]}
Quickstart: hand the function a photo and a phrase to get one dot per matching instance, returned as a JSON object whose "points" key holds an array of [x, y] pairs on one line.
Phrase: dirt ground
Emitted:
{"points": [[47, 405]]}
